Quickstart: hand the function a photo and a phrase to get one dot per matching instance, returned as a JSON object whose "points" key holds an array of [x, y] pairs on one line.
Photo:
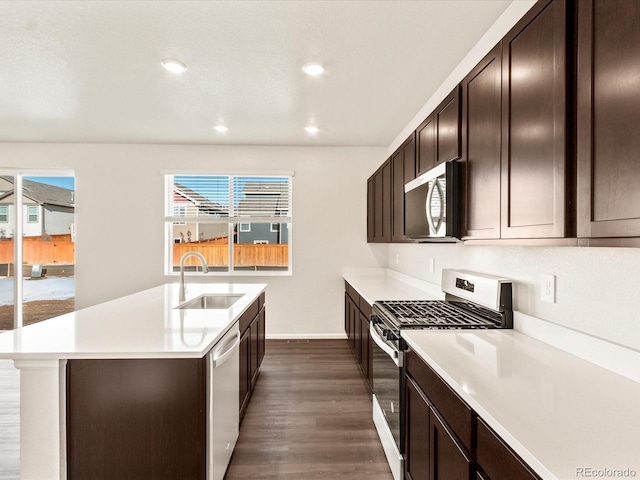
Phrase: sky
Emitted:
{"points": [[64, 182]]}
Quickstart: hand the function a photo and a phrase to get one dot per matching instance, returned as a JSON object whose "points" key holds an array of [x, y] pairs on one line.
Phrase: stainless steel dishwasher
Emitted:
{"points": [[222, 402]]}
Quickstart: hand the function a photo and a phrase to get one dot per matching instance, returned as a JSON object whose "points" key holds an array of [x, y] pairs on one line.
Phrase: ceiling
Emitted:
{"points": [[76, 71]]}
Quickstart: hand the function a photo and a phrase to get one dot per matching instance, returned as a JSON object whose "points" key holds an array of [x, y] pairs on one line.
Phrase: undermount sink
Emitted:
{"points": [[211, 301]]}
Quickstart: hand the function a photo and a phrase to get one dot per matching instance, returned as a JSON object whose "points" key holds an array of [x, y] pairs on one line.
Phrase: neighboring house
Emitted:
{"points": [[190, 204], [263, 200], [47, 210]]}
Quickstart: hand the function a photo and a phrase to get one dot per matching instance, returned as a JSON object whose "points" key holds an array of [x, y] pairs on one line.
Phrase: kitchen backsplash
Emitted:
{"points": [[596, 288]]}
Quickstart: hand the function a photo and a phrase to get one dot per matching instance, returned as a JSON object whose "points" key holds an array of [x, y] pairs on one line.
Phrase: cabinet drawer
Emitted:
{"points": [[458, 415], [497, 460]]}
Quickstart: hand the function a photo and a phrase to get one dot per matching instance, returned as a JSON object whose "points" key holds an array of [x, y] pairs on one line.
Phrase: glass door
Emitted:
{"points": [[37, 248]]}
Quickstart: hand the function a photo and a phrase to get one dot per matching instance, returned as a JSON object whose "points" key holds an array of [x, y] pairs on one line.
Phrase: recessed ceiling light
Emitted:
{"points": [[313, 69], [312, 129], [174, 66], [221, 128]]}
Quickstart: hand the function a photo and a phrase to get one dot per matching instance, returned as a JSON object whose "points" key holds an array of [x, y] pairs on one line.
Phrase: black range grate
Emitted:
{"points": [[432, 313]]}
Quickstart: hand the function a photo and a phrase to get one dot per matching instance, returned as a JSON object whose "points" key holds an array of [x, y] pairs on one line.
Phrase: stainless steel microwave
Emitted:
{"points": [[433, 204]]}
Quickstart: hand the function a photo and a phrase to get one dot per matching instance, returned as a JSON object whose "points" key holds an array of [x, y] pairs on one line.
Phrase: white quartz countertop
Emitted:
{"points": [[142, 325], [375, 284], [558, 412]]}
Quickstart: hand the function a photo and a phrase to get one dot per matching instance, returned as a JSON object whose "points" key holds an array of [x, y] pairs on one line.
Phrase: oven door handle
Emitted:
{"points": [[392, 352]]}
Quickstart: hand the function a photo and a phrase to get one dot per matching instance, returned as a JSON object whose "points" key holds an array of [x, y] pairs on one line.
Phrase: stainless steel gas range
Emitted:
{"points": [[472, 301]]}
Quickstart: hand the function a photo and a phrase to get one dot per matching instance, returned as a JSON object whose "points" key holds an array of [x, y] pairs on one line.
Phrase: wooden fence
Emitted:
{"points": [[250, 255], [40, 251]]}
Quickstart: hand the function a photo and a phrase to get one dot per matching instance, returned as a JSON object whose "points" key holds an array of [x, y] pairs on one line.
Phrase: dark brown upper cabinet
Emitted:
{"points": [[371, 212], [536, 170], [438, 137], [448, 128], [426, 145], [379, 203], [481, 146], [403, 163], [608, 113]]}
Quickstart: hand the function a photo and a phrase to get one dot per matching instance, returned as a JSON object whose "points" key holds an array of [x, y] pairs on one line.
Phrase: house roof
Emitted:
{"points": [[43, 194]]}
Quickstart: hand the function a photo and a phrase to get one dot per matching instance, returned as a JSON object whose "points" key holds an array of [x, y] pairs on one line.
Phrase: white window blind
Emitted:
{"points": [[265, 197], [214, 197]]}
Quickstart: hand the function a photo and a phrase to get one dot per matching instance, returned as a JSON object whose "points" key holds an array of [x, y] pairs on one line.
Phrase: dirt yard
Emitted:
{"points": [[36, 311]]}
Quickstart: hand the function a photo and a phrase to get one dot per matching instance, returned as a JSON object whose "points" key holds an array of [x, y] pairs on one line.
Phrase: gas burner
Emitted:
{"points": [[471, 301]]}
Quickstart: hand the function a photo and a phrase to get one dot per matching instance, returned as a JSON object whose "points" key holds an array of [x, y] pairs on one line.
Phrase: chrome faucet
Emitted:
{"points": [[205, 269]]}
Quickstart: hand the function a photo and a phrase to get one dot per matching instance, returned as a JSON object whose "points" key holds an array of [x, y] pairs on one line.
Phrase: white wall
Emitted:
{"points": [[119, 219]]}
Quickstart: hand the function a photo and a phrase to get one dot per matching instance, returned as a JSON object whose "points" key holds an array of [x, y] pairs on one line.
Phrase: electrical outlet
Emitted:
{"points": [[397, 259], [548, 288], [432, 265]]}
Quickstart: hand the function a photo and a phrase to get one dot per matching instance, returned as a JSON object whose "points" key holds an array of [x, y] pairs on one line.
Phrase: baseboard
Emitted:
{"points": [[306, 336]]}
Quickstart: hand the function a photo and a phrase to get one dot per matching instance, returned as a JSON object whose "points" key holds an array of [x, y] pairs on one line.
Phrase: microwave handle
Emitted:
{"points": [[442, 205], [427, 207]]}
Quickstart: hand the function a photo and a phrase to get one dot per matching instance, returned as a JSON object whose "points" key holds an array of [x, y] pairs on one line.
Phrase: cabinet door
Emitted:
{"points": [[262, 342], [535, 173], [371, 209], [426, 145], [382, 203], [608, 131], [254, 350], [448, 460], [481, 139], [347, 316], [136, 418], [448, 128], [403, 171], [365, 342], [245, 376], [416, 433]]}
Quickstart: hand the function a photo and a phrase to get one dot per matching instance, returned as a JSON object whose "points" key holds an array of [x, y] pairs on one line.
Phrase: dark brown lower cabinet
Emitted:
{"points": [[356, 321], [245, 379], [252, 348], [135, 419], [448, 459], [497, 460], [366, 358], [432, 451], [416, 435]]}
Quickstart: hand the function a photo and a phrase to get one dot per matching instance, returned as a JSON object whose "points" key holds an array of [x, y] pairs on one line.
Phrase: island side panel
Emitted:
{"points": [[135, 419]]}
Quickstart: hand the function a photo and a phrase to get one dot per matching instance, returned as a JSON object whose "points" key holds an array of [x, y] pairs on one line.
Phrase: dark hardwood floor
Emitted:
{"points": [[309, 417]]}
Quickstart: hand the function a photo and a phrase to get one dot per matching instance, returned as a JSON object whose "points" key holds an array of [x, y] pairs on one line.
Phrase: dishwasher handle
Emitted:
{"points": [[219, 358]]}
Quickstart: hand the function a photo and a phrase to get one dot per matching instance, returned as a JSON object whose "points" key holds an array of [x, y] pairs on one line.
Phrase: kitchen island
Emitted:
{"points": [[145, 326]]}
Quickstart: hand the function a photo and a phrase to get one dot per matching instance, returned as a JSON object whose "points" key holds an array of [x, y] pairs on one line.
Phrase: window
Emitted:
{"points": [[4, 214], [240, 223], [32, 213], [179, 211]]}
